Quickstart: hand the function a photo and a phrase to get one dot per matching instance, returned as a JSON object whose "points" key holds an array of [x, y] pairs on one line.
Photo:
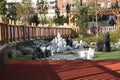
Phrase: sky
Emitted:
{"points": [[33, 1]]}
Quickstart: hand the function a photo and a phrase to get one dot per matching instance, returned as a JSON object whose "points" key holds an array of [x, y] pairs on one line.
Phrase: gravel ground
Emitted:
{"points": [[64, 56]]}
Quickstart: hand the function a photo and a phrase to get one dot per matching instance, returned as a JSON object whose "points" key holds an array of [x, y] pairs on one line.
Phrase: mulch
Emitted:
{"points": [[60, 70]]}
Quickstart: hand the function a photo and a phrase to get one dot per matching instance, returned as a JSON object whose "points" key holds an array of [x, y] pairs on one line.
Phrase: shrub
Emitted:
{"points": [[91, 38], [115, 36]]}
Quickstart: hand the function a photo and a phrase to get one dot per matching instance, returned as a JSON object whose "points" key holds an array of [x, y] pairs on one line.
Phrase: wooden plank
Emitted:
{"points": [[0, 33]]}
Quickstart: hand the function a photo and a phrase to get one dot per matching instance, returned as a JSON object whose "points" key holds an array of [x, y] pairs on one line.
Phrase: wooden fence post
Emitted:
{"points": [[24, 37]]}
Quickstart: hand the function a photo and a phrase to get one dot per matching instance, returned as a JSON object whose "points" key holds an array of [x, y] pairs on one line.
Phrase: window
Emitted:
{"points": [[84, 1], [52, 2], [109, 5], [64, 0], [101, 4], [72, 6]]}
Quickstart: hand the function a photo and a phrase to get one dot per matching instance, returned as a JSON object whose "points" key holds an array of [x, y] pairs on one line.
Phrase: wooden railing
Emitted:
{"points": [[106, 29], [109, 29], [11, 33]]}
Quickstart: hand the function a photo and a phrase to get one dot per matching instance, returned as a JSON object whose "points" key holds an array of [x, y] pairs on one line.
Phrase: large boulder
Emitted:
{"points": [[28, 50]]}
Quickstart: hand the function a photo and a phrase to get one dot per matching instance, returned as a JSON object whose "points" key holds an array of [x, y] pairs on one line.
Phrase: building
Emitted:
{"points": [[51, 7], [101, 3], [63, 3], [50, 4]]}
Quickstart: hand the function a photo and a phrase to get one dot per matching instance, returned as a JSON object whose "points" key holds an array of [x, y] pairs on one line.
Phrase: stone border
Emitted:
{"points": [[10, 46]]}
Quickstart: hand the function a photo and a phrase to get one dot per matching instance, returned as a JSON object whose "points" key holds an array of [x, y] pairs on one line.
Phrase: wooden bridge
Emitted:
{"points": [[10, 33]]}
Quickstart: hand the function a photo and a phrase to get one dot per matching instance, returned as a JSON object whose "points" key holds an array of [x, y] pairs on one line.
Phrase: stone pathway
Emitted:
{"points": [[62, 57]]}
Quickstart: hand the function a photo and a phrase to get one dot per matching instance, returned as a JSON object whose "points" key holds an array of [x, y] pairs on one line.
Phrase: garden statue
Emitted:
{"points": [[69, 42], [81, 45], [106, 47]]}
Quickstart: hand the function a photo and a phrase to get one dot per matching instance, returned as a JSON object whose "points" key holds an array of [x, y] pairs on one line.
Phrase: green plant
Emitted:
{"points": [[90, 38], [51, 22], [114, 36], [114, 55]]}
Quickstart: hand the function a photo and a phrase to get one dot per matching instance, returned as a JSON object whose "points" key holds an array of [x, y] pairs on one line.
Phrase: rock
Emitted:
{"points": [[81, 45], [69, 47], [90, 53], [82, 54], [18, 53], [28, 50], [75, 44], [93, 43], [43, 48], [86, 54]]}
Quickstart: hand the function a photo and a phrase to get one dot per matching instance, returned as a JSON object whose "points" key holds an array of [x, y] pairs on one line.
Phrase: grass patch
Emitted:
{"points": [[114, 55]]}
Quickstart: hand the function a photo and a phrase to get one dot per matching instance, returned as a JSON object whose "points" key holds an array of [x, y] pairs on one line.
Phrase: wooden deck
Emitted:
{"points": [[61, 70]]}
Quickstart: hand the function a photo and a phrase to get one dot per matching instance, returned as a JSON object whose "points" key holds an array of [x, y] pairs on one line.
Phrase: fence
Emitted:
{"points": [[109, 29], [105, 29], [10, 33]]}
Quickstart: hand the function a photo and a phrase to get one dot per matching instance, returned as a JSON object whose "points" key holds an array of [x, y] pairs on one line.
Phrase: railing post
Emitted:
{"points": [[2, 38], [14, 33], [0, 33], [28, 32], [34, 32], [55, 31], [39, 32], [48, 32], [44, 32], [6, 26], [10, 33], [18, 36], [23, 31]]}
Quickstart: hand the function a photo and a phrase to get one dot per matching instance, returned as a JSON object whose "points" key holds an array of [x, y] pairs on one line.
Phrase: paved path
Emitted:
{"points": [[61, 56], [60, 70]]}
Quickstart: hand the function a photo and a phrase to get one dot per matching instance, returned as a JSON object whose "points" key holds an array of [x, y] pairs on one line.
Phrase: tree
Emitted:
{"points": [[34, 19], [11, 12], [82, 16], [57, 11], [24, 11], [68, 11], [82, 19], [81, 2], [92, 10], [42, 11], [3, 8], [60, 19]]}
